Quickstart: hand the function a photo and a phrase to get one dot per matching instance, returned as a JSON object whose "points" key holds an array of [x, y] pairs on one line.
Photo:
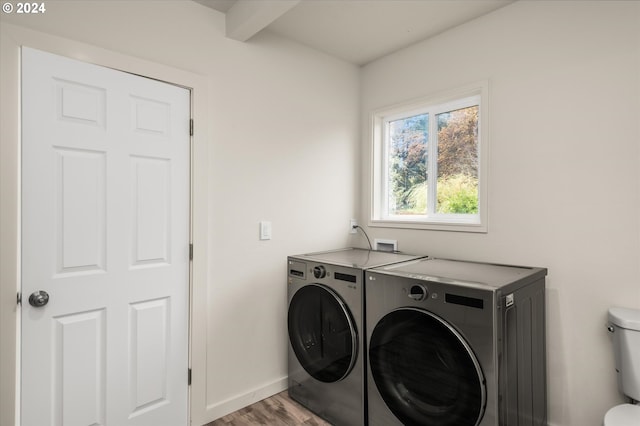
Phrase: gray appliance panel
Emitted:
{"points": [[464, 273], [507, 334], [357, 257], [342, 403]]}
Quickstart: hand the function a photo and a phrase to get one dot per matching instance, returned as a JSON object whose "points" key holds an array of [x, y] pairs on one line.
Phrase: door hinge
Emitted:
{"points": [[190, 251], [189, 378], [19, 298], [191, 127]]}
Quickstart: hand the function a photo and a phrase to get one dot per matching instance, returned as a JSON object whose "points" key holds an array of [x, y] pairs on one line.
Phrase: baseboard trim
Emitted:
{"points": [[236, 402]]}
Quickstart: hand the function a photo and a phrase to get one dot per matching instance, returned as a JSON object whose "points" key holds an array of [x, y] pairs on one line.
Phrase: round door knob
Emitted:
{"points": [[39, 298]]}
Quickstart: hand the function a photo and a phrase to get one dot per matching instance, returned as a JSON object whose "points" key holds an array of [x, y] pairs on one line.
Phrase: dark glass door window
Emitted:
{"points": [[322, 333], [425, 371]]}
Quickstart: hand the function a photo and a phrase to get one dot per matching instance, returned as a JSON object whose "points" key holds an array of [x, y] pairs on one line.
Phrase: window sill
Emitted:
{"points": [[416, 223]]}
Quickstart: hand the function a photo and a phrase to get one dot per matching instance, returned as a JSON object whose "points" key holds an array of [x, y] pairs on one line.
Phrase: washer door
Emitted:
{"points": [[322, 333], [425, 371]]}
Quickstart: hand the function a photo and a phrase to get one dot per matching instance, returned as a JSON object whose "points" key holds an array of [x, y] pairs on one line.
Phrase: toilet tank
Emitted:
{"points": [[626, 347]]}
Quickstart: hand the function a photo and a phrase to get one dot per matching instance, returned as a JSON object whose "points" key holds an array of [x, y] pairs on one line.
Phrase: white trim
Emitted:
{"points": [[428, 226], [236, 402], [13, 38], [476, 94]]}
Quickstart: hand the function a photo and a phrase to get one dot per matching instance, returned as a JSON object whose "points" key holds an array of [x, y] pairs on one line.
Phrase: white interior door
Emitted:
{"points": [[105, 233]]}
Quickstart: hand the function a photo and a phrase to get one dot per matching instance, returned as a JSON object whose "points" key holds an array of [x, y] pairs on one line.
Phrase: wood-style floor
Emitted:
{"points": [[278, 410]]}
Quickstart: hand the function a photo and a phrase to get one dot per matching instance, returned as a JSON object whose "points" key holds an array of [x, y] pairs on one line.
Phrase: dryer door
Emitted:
{"points": [[425, 371], [322, 333]]}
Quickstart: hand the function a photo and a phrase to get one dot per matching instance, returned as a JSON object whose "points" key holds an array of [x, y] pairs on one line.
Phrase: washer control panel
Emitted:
{"points": [[426, 289], [297, 269]]}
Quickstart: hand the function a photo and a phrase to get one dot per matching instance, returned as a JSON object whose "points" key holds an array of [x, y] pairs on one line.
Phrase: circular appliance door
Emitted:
{"points": [[425, 371], [322, 333]]}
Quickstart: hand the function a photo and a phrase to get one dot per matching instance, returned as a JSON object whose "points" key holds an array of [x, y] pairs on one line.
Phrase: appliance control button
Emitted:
{"points": [[319, 271], [418, 292]]}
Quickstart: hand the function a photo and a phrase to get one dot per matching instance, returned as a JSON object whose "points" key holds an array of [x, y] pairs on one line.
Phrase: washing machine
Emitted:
{"points": [[325, 325], [455, 343]]}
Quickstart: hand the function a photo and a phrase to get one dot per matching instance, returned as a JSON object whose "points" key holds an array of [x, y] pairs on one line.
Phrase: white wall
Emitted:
{"points": [[283, 138], [564, 180], [563, 174]]}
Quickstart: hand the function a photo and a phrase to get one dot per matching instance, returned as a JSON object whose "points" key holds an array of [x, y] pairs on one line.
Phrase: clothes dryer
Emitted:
{"points": [[325, 327], [454, 343]]}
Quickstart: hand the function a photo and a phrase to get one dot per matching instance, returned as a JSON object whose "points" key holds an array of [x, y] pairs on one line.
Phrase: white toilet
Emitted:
{"points": [[624, 323]]}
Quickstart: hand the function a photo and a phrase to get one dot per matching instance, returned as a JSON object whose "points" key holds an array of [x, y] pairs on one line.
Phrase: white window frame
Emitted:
{"points": [[476, 94]]}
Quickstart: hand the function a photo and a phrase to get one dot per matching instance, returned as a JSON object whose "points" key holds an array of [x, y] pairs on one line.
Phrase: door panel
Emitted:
{"points": [[322, 333], [425, 371], [148, 354], [105, 232], [151, 210], [81, 200], [79, 355]]}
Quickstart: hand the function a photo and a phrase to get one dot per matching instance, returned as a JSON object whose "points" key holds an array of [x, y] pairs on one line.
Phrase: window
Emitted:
{"points": [[428, 163]]}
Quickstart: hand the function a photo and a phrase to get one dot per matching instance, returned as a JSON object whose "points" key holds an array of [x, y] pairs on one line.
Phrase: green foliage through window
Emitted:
{"points": [[407, 161], [456, 163]]}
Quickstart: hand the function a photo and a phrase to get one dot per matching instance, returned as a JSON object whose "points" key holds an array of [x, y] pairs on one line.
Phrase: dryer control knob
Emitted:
{"points": [[418, 292], [319, 271]]}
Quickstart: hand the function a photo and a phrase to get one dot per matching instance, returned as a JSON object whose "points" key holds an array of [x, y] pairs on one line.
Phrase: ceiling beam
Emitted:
{"points": [[248, 17]]}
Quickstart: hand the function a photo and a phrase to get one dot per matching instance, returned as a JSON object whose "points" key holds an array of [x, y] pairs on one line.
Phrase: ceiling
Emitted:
{"points": [[357, 31]]}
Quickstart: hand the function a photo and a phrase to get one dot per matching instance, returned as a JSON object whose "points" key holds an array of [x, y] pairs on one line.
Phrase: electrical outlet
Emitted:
{"points": [[352, 226]]}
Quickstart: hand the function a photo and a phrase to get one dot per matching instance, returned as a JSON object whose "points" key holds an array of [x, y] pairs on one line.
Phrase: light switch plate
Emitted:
{"points": [[265, 230]]}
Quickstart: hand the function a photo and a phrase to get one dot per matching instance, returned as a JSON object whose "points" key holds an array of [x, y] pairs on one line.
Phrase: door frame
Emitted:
{"points": [[12, 39]]}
